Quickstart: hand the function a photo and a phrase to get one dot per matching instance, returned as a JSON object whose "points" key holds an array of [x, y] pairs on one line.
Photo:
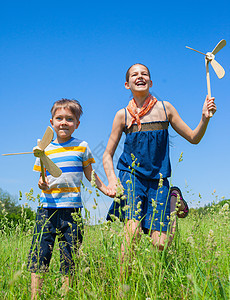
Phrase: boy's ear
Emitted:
{"points": [[51, 122], [77, 124], [127, 85]]}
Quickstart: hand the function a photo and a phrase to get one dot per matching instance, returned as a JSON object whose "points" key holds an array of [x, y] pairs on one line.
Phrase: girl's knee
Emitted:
{"points": [[160, 240]]}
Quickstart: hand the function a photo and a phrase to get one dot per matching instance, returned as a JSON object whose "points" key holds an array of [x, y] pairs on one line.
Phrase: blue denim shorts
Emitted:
{"points": [[52, 223], [146, 201]]}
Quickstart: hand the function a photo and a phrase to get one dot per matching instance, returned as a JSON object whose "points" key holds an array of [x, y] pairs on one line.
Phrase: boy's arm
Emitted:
{"points": [[193, 136], [100, 185]]}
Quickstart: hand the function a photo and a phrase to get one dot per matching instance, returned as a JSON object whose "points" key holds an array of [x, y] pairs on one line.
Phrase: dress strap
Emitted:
{"points": [[125, 117], [165, 110]]}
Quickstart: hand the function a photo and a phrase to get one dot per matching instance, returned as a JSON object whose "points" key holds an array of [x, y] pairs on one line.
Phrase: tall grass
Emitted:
{"points": [[195, 266]]}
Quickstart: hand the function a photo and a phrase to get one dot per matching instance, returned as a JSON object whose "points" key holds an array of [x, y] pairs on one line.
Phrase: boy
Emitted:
{"points": [[61, 198]]}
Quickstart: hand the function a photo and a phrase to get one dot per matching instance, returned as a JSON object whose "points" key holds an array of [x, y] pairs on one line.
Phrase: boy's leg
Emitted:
{"points": [[36, 285], [41, 250], [70, 239]]}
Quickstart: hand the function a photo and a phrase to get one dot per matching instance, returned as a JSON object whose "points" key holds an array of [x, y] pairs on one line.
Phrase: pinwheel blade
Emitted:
{"points": [[218, 68], [219, 46], [7, 154], [50, 166], [195, 50], [47, 138]]}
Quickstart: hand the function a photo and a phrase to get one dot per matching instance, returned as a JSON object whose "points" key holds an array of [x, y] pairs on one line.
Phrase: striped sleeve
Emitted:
{"points": [[87, 157], [37, 165]]}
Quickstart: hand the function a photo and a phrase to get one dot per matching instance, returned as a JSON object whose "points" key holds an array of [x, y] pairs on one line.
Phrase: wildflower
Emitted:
{"points": [[120, 189], [181, 157], [132, 156], [117, 200], [160, 181], [94, 206], [154, 203], [126, 207], [139, 204], [211, 234], [189, 276], [93, 179], [211, 237], [225, 207], [190, 240], [87, 269], [162, 224]]}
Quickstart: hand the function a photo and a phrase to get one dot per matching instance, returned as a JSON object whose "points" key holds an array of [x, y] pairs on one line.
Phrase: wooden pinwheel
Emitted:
{"points": [[210, 58], [38, 151]]}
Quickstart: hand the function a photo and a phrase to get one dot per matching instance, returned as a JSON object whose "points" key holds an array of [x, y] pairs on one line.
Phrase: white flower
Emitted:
{"points": [[225, 207]]}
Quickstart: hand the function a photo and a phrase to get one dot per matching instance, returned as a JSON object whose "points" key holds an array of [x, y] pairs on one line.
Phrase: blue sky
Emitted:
{"points": [[55, 49]]}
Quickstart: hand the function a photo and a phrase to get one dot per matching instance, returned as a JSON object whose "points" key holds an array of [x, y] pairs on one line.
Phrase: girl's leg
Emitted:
{"points": [[65, 285], [178, 208], [177, 202], [159, 239], [132, 233], [36, 285]]}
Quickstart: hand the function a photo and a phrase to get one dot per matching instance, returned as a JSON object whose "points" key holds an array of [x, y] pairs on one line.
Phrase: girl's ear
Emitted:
{"points": [[151, 83], [127, 85]]}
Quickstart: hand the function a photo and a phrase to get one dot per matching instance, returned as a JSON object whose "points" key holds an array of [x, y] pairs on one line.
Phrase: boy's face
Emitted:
{"points": [[139, 80], [64, 123]]}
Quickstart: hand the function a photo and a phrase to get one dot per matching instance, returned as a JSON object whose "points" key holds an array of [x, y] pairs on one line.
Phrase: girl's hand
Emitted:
{"points": [[209, 107], [43, 185]]}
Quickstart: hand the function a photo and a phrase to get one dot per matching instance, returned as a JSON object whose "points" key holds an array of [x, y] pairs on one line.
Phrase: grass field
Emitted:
{"points": [[195, 266]]}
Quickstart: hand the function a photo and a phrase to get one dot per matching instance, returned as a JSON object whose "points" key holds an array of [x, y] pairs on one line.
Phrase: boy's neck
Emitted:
{"points": [[59, 140]]}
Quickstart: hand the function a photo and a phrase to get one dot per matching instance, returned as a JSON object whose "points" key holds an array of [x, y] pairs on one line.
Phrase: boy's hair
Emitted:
{"points": [[127, 73], [73, 105]]}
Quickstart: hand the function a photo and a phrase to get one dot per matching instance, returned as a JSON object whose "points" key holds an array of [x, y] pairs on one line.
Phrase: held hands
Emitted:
{"points": [[115, 189], [43, 185], [209, 107]]}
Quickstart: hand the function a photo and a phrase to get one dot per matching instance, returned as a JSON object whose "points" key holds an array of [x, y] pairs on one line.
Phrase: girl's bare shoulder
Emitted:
{"points": [[120, 117]]}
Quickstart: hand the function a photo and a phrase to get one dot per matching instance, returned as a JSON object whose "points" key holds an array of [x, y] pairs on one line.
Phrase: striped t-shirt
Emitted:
{"points": [[71, 157]]}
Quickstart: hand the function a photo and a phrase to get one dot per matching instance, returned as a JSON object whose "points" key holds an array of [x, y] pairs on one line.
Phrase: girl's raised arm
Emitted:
{"points": [[115, 136], [193, 136]]}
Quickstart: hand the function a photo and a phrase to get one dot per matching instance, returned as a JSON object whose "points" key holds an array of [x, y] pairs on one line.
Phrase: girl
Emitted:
{"points": [[144, 164]]}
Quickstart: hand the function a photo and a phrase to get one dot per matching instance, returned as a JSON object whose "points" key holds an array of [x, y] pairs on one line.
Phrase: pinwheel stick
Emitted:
{"points": [[208, 83], [42, 171]]}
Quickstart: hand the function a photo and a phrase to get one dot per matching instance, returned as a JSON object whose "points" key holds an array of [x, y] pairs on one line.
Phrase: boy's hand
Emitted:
{"points": [[209, 107], [43, 185]]}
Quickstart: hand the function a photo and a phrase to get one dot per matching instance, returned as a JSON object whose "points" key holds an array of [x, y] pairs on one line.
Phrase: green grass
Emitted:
{"points": [[195, 266]]}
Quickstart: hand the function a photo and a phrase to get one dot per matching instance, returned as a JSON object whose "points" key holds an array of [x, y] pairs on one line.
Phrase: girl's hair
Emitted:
{"points": [[73, 105], [127, 73]]}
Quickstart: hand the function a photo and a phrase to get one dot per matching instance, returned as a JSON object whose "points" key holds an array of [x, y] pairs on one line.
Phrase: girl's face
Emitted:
{"points": [[139, 79]]}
